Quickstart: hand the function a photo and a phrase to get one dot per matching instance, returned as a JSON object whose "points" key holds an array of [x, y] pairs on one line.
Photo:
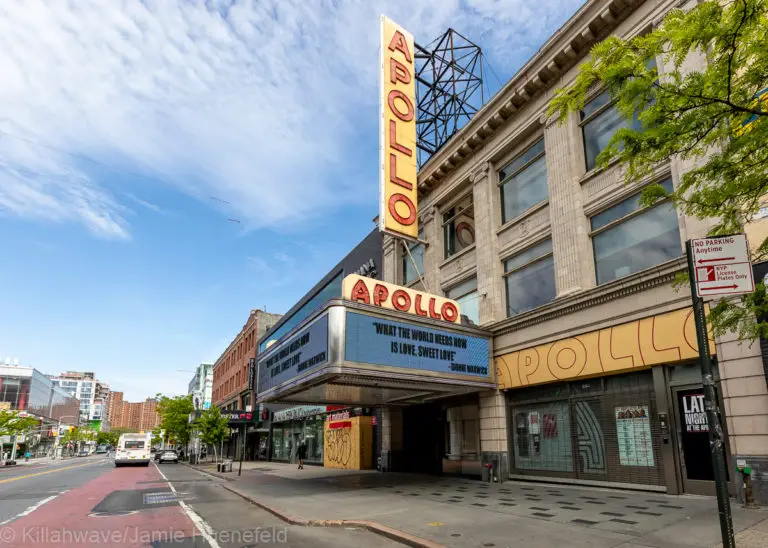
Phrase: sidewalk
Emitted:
{"points": [[463, 513], [32, 461]]}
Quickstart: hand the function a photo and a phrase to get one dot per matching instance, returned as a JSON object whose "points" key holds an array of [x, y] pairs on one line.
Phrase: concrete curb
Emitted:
{"points": [[208, 472], [377, 528]]}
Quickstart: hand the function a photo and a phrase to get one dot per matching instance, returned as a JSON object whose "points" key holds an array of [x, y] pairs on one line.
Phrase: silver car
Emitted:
{"points": [[169, 456]]}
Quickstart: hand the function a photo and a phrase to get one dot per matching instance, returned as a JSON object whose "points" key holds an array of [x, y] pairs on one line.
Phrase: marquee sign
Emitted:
{"points": [[398, 207], [394, 297]]}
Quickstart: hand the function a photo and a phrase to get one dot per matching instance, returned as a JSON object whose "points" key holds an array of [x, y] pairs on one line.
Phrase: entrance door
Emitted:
{"points": [[423, 438], [693, 441]]}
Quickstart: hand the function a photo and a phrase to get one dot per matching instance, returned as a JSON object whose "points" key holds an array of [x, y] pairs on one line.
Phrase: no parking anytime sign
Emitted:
{"points": [[722, 266]]}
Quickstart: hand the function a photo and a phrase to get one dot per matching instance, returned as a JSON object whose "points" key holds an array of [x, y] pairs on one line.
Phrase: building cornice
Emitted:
{"points": [[595, 20]]}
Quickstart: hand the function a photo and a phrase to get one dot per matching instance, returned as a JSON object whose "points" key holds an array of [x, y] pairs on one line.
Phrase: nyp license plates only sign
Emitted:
{"points": [[722, 266]]}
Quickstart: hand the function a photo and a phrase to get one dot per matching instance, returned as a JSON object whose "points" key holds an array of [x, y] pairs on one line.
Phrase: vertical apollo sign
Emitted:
{"points": [[397, 188]]}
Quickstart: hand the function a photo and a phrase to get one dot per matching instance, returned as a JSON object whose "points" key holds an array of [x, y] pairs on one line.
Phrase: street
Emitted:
{"points": [[89, 502]]}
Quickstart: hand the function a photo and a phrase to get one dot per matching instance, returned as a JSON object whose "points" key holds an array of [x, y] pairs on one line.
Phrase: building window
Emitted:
{"points": [[466, 295], [628, 238], [530, 278], [459, 227], [412, 272], [523, 182], [600, 120]]}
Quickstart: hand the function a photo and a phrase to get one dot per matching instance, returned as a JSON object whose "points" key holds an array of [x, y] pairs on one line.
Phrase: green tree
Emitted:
{"points": [[112, 437], [213, 428], [13, 423], [174, 418], [715, 117]]}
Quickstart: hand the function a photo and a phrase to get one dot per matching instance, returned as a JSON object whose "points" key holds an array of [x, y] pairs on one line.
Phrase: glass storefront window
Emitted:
{"points": [[542, 437], [286, 437]]}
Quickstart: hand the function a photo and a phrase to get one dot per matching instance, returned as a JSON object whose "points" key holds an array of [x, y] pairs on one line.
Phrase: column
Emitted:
{"points": [[574, 269], [493, 433], [391, 438], [485, 197]]}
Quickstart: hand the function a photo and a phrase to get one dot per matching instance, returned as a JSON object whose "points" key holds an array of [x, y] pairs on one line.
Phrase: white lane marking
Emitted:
{"points": [[205, 530], [32, 508]]}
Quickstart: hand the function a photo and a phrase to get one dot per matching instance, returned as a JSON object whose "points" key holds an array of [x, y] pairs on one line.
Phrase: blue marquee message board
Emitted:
{"points": [[306, 350], [399, 344]]}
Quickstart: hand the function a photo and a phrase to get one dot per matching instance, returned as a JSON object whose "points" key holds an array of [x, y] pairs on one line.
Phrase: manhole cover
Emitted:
{"points": [[159, 498], [110, 514]]}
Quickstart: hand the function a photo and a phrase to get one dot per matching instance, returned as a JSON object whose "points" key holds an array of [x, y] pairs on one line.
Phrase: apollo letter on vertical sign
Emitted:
{"points": [[722, 265], [398, 207]]}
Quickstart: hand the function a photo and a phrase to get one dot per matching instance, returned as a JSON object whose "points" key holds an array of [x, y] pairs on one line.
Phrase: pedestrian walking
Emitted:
{"points": [[301, 453], [26, 456]]}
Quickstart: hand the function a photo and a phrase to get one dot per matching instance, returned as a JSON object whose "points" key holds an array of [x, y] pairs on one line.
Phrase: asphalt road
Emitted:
{"points": [[22, 487], [88, 502]]}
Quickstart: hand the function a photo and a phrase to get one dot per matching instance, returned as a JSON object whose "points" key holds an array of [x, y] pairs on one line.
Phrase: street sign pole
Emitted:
{"points": [[710, 405]]}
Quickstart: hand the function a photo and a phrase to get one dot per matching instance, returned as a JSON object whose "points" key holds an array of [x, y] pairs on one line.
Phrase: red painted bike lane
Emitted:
{"points": [[69, 519]]}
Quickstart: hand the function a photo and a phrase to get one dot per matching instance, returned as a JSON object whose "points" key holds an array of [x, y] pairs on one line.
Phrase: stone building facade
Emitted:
{"points": [[593, 347]]}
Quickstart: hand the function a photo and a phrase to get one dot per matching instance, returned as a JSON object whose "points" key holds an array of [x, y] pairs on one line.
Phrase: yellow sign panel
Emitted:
{"points": [[396, 297], [398, 208], [666, 338]]}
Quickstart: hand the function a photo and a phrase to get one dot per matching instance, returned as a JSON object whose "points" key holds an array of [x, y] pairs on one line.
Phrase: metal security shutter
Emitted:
{"points": [[603, 429]]}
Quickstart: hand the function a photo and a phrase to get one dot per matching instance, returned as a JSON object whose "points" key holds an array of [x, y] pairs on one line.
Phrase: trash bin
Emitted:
{"points": [[485, 474]]}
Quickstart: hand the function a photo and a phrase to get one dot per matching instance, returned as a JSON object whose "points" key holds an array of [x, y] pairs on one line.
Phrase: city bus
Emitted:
{"points": [[133, 449]]}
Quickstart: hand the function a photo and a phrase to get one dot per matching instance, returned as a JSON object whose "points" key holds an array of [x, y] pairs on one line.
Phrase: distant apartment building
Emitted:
{"points": [[201, 386], [230, 372], [133, 415], [92, 393]]}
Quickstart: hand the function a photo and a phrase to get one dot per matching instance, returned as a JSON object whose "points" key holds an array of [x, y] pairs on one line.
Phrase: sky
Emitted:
{"points": [[166, 166]]}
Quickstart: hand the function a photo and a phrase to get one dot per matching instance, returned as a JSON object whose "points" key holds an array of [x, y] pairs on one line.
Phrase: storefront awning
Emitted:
{"points": [[351, 353]]}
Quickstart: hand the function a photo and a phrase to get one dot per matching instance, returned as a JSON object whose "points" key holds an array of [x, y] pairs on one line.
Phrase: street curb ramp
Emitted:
{"points": [[377, 528]]}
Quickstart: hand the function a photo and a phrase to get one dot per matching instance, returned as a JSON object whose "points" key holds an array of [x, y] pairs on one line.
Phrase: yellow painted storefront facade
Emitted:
{"points": [[640, 344]]}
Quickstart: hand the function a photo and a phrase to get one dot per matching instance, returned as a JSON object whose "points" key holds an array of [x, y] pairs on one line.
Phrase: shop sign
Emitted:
{"points": [[694, 414], [633, 430], [306, 350], [340, 424], [662, 339], [398, 200], [298, 412], [395, 297], [237, 416], [339, 416], [377, 341]]}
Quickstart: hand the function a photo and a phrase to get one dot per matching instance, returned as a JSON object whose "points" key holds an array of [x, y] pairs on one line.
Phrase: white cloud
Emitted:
{"points": [[255, 102]]}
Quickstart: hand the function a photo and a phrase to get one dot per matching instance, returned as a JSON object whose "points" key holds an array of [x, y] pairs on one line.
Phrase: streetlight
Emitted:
{"points": [[58, 431]]}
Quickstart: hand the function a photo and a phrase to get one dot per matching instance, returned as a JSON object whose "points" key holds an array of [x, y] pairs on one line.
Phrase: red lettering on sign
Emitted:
{"points": [[400, 44], [360, 293], [449, 312], [398, 72], [393, 178], [401, 300], [393, 140], [420, 311], [380, 294], [403, 199], [432, 312], [406, 116]]}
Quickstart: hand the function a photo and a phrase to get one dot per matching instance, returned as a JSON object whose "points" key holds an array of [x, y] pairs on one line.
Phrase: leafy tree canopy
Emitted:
{"points": [[713, 116], [213, 427], [174, 417], [12, 423]]}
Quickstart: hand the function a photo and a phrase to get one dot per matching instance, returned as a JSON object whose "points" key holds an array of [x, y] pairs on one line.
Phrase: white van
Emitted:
{"points": [[133, 449]]}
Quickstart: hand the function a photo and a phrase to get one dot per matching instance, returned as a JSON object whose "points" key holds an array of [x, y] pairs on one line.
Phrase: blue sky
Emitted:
{"points": [[120, 121]]}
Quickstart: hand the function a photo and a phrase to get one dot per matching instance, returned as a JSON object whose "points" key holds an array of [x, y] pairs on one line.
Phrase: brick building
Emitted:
{"points": [[133, 415], [230, 371]]}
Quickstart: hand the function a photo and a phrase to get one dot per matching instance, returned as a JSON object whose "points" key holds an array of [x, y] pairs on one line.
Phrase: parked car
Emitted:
{"points": [[158, 453], [83, 453], [169, 456]]}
